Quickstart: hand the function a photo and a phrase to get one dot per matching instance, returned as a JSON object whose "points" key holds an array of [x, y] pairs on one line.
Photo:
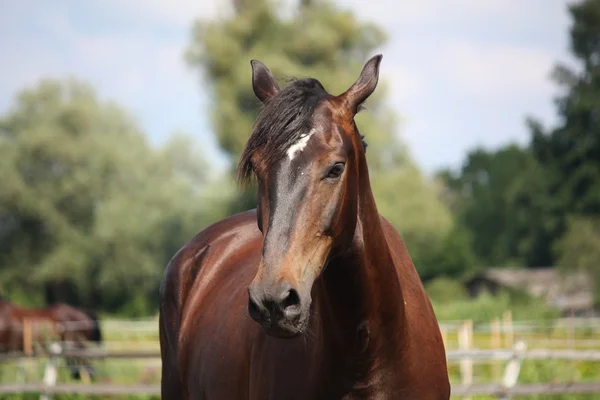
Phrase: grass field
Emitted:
{"points": [[143, 335]]}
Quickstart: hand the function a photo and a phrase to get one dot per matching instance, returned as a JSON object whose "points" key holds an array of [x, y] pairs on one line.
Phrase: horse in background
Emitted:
{"points": [[57, 322]]}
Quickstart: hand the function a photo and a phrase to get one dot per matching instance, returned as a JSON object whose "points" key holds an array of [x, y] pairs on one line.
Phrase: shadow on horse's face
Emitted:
{"points": [[308, 157]]}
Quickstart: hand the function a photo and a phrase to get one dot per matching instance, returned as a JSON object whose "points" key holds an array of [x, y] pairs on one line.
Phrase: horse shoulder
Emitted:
{"points": [[412, 286], [185, 266], [421, 317], [190, 264]]}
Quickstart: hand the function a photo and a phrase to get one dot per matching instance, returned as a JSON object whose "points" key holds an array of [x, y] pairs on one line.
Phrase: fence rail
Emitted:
{"points": [[150, 325], [536, 354], [508, 389], [452, 355], [507, 344], [527, 390], [154, 389], [92, 389], [91, 354]]}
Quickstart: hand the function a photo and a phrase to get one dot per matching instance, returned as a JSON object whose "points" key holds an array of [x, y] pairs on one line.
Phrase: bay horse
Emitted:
{"points": [[56, 322], [312, 295]]}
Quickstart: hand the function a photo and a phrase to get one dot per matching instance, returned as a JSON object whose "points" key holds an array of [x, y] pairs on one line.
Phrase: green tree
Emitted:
{"points": [[88, 209], [482, 197], [330, 44], [515, 202], [569, 154], [579, 249]]}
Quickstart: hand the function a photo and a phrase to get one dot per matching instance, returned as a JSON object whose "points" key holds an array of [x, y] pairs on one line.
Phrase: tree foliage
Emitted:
{"points": [[89, 211], [522, 204], [579, 248], [568, 178], [317, 39], [482, 196]]}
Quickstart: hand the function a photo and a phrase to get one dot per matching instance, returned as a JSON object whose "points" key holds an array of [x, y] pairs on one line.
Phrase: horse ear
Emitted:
{"points": [[364, 86], [264, 84]]}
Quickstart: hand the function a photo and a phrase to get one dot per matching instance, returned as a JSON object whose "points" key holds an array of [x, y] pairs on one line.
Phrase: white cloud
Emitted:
{"points": [[176, 12], [483, 58], [464, 73], [403, 83], [142, 69], [457, 12], [496, 70]]}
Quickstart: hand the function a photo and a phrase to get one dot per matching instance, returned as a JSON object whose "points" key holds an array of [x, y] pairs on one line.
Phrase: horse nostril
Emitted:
{"points": [[291, 299], [269, 309], [254, 310]]}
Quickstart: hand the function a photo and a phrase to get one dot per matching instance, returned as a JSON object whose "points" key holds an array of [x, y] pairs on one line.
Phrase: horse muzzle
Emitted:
{"points": [[279, 310]]}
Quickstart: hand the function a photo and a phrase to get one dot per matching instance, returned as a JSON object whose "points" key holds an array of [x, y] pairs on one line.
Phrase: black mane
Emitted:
{"points": [[281, 122]]}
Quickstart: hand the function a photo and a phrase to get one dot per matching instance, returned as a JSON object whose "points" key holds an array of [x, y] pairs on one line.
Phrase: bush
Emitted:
{"points": [[487, 307], [446, 290], [452, 256]]}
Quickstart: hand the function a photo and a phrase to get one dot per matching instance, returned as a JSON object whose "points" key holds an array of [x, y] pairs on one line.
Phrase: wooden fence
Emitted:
{"points": [[154, 389], [452, 355], [507, 388], [505, 342]]}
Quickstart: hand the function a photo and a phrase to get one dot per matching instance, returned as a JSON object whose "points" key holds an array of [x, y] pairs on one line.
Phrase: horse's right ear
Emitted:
{"points": [[264, 84]]}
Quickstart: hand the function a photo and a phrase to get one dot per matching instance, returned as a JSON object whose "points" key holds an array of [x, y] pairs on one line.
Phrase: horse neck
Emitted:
{"points": [[364, 304], [378, 277]]}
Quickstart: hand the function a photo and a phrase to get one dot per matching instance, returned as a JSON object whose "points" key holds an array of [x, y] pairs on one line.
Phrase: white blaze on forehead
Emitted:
{"points": [[299, 145]]}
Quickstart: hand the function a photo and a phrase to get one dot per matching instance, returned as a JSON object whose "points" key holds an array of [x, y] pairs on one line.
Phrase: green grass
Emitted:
{"points": [[450, 305], [108, 372], [532, 371]]}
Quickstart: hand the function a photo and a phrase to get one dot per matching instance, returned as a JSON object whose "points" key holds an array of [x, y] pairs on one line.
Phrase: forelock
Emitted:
{"points": [[280, 124]]}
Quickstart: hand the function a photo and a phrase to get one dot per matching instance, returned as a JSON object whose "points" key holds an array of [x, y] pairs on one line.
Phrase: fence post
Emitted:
{"points": [[27, 337], [495, 343], [27, 349], [50, 373], [465, 342], [513, 367], [508, 329]]}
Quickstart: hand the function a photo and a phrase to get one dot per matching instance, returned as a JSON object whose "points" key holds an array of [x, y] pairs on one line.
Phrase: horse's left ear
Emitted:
{"points": [[264, 84], [364, 86]]}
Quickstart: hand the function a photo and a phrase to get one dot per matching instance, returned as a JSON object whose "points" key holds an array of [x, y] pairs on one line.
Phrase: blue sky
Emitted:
{"points": [[463, 73]]}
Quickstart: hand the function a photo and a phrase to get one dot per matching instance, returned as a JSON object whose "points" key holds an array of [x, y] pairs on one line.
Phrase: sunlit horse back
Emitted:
{"points": [[313, 295]]}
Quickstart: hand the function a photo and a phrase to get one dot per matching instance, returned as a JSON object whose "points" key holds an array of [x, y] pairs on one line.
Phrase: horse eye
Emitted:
{"points": [[336, 170]]}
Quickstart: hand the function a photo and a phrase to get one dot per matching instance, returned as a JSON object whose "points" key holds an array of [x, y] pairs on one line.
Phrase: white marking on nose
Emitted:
{"points": [[299, 145]]}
